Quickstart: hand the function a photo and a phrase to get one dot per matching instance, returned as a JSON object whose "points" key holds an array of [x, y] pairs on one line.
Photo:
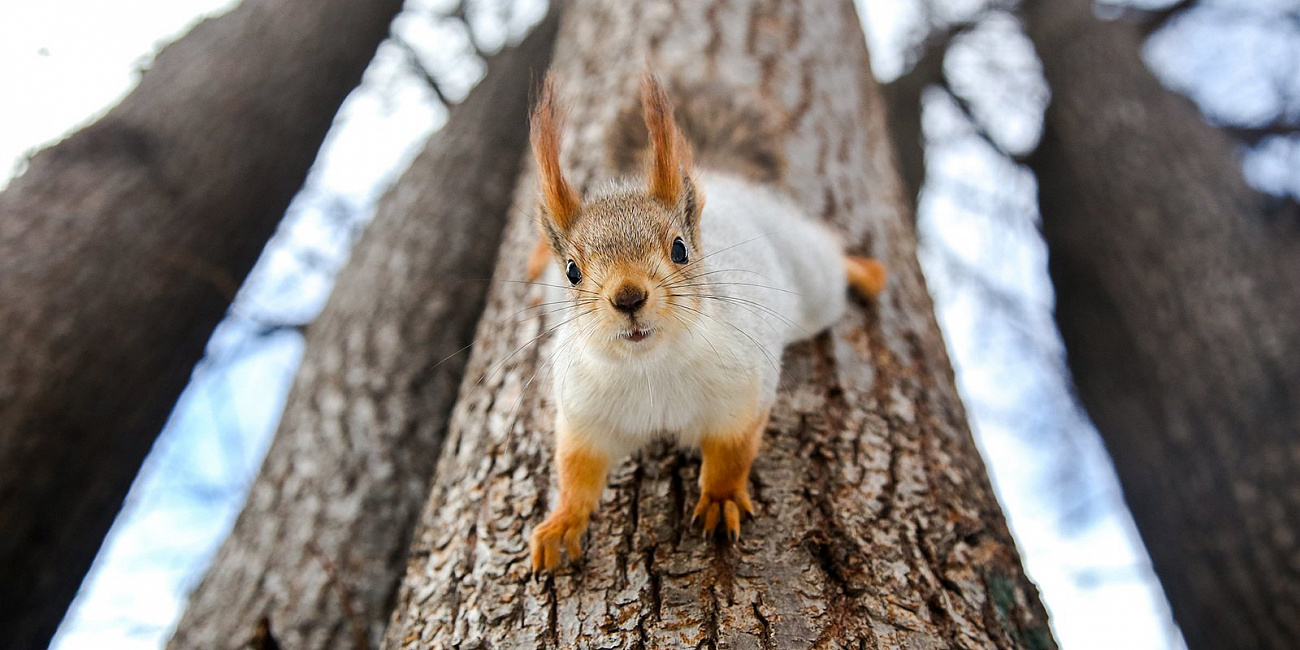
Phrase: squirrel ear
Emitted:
{"points": [[558, 199], [670, 159]]}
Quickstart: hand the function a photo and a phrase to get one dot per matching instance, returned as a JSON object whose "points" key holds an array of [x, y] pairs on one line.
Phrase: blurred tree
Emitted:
{"points": [[320, 546], [1178, 298], [121, 247], [903, 101], [876, 527]]}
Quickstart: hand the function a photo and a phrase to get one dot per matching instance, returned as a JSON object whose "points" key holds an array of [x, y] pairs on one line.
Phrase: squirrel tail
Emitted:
{"points": [[727, 130], [865, 275]]}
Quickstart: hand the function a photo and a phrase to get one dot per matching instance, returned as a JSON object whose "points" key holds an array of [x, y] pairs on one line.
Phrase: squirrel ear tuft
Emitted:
{"points": [[670, 159], [559, 201]]}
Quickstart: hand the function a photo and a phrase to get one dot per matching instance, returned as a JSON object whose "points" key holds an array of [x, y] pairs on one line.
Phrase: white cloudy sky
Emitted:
{"points": [[63, 62]]}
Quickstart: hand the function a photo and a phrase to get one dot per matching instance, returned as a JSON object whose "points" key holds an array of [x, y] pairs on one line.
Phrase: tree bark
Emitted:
{"points": [[1179, 307], [120, 249], [876, 524], [320, 546]]}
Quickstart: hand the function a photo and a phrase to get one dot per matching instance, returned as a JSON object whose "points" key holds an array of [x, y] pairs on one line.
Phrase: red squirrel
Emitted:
{"points": [[682, 288]]}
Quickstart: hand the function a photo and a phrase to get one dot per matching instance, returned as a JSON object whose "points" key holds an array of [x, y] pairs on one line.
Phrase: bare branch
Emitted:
{"points": [[413, 59], [1150, 21], [461, 13], [903, 98], [977, 125], [1253, 135]]}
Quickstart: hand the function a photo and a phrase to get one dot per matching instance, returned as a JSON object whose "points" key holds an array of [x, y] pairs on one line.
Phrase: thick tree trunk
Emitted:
{"points": [[1180, 309], [876, 524], [320, 546], [120, 249]]}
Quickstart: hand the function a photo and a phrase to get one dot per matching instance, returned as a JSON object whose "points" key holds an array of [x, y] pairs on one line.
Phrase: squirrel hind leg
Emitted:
{"points": [[866, 276]]}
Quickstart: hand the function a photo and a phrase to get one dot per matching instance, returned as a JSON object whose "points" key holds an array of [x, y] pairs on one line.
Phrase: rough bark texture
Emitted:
{"points": [[876, 524], [1180, 309], [320, 546], [120, 249]]}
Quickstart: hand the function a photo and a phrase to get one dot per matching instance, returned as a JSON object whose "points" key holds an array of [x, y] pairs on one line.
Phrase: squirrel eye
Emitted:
{"points": [[571, 270], [679, 251]]}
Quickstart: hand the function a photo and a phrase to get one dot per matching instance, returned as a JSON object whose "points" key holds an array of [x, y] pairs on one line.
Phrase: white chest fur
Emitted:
{"points": [[685, 391]]}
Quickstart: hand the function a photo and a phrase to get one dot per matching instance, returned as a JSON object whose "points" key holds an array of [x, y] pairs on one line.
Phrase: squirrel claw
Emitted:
{"points": [[550, 536], [727, 509]]}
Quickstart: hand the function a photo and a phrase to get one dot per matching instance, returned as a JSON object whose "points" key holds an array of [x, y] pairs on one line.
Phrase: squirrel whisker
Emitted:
{"points": [[694, 263], [751, 272], [681, 282], [501, 364], [553, 286], [712, 284], [548, 364], [693, 326], [749, 305], [728, 323], [565, 304], [512, 317]]}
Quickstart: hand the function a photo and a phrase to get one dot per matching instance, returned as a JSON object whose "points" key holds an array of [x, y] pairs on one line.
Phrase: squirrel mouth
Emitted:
{"points": [[636, 336]]}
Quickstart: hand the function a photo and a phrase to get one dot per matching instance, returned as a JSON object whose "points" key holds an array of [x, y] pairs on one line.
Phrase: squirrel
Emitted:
{"points": [[677, 309]]}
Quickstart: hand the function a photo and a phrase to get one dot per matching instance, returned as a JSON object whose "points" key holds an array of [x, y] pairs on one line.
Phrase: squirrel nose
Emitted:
{"points": [[629, 298]]}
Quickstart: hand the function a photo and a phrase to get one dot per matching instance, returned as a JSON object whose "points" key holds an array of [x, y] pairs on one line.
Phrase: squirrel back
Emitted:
{"points": [[728, 130]]}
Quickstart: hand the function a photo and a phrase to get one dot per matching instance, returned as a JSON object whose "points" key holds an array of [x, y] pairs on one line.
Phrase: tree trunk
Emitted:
{"points": [[876, 524], [1180, 309], [120, 249], [320, 546]]}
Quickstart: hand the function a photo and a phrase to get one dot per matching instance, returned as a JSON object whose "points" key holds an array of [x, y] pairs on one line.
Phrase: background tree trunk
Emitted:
{"points": [[903, 97], [903, 115], [120, 249], [1180, 309], [320, 546], [876, 524]]}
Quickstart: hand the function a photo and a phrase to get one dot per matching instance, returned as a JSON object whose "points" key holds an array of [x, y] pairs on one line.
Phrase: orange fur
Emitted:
{"points": [[558, 198], [866, 275], [538, 260], [670, 154], [621, 273], [582, 479], [724, 476]]}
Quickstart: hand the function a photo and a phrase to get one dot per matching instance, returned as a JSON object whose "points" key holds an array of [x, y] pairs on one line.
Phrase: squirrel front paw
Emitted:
{"points": [[546, 540], [728, 507]]}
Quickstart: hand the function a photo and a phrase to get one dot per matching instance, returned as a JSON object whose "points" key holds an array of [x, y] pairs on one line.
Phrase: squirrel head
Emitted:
{"points": [[631, 250]]}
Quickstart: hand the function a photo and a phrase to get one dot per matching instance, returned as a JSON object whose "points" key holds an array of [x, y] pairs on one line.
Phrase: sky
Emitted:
{"points": [[63, 62]]}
